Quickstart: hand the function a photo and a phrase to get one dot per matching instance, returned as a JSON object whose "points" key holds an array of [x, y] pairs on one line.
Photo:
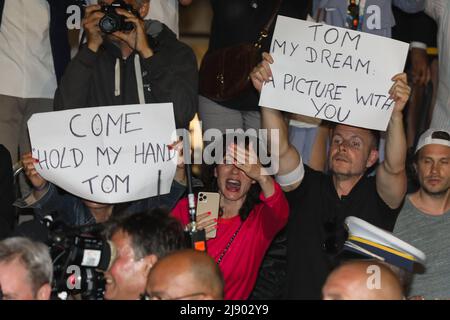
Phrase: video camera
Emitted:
{"points": [[112, 21], [79, 258]]}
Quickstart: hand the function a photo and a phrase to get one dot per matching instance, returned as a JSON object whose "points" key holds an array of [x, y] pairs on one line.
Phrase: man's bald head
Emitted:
{"points": [[186, 274], [362, 280]]}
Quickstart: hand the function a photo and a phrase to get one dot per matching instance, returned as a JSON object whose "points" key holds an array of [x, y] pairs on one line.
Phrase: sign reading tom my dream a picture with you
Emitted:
{"points": [[333, 73]]}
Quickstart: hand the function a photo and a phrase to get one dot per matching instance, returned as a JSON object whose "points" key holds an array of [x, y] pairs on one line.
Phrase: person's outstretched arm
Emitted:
{"points": [[391, 174]]}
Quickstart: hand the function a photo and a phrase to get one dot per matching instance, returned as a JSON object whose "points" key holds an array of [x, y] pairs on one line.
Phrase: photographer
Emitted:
{"points": [[140, 239], [25, 270], [116, 67]]}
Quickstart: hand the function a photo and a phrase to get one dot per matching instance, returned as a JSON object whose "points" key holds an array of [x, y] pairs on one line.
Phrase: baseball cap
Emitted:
{"points": [[434, 136]]}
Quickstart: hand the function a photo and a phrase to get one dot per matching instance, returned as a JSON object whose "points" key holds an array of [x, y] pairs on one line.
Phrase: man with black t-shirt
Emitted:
{"points": [[320, 202]]}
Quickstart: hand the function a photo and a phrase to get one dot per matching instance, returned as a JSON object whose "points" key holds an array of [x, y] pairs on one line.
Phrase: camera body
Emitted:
{"points": [[79, 260], [112, 21]]}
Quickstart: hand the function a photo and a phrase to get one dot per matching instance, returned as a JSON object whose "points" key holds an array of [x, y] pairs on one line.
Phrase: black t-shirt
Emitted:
{"points": [[239, 21], [315, 205]]}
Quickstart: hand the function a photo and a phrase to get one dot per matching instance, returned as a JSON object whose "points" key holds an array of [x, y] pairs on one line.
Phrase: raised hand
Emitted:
{"points": [[180, 174], [400, 92], [137, 38], [262, 72], [90, 24], [30, 171], [247, 160]]}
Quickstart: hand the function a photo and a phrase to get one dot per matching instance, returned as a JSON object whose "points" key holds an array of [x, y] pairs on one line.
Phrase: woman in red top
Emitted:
{"points": [[253, 210]]}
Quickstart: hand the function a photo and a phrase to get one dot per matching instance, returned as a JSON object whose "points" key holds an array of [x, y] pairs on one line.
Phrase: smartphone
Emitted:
{"points": [[209, 202]]}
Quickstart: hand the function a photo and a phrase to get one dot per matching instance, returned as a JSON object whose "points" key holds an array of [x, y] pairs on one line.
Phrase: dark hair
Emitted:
{"points": [[210, 181], [151, 232]]}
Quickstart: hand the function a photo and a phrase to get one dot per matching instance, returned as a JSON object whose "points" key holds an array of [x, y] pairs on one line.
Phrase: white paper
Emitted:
{"points": [[106, 154], [353, 71]]}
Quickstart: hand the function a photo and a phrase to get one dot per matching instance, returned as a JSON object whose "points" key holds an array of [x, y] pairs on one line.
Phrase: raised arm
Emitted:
{"points": [[436, 9], [391, 174], [75, 85], [288, 158]]}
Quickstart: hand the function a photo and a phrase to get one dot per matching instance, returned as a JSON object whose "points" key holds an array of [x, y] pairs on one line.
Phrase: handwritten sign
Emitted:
{"points": [[106, 154], [333, 73]]}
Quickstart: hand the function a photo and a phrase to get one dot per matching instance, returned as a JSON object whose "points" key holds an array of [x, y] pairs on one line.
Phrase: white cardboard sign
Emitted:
{"points": [[333, 73], [106, 154]]}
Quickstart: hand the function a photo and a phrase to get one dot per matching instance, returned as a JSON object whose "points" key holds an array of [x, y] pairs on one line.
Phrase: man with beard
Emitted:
{"points": [[320, 202], [424, 221]]}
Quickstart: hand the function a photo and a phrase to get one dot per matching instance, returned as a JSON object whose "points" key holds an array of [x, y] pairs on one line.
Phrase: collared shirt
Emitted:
{"points": [[314, 205], [26, 61], [439, 10]]}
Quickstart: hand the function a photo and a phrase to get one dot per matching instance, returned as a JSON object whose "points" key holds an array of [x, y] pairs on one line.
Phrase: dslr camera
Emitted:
{"points": [[112, 21], [79, 259]]}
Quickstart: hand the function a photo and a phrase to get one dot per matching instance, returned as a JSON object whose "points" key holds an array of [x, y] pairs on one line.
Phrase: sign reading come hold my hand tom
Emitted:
{"points": [[106, 154], [333, 73]]}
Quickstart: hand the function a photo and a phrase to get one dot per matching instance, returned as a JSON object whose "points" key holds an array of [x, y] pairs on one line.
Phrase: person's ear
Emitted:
{"points": [[145, 8], [149, 262], [44, 292], [414, 167], [373, 158]]}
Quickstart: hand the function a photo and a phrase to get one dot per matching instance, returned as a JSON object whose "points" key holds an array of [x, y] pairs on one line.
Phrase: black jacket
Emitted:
{"points": [[170, 75], [7, 216]]}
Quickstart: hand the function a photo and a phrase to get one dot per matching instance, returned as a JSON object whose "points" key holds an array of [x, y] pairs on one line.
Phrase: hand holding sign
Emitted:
{"points": [[262, 72], [400, 92], [28, 164], [106, 154]]}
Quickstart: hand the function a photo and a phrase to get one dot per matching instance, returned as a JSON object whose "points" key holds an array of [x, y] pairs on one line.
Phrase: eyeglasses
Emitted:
{"points": [[336, 235], [352, 143], [148, 296], [353, 15]]}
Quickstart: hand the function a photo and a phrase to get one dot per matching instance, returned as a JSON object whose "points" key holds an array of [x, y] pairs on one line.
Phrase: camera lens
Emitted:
{"points": [[108, 24]]}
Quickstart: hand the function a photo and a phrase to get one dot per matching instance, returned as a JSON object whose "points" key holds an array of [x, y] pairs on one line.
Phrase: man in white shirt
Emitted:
{"points": [[27, 76]]}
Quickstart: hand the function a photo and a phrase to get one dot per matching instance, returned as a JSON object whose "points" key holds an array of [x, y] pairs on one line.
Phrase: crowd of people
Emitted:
{"points": [[276, 234]]}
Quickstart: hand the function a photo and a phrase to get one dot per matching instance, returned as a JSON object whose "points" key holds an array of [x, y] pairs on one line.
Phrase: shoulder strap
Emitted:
{"points": [[265, 31]]}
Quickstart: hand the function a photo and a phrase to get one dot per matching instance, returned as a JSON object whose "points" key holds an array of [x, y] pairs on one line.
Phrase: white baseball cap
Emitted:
{"points": [[434, 136]]}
